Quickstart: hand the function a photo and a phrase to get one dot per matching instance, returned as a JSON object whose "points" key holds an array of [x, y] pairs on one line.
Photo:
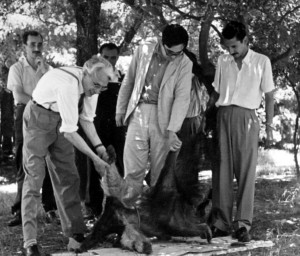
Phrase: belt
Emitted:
{"points": [[41, 106]]}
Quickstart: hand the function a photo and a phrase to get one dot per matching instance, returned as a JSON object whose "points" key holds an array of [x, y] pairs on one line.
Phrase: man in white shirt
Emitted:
{"points": [[50, 129], [241, 78], [109, 133], [22, 78]]}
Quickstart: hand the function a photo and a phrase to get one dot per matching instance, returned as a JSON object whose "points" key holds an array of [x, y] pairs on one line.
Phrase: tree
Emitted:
{"points": [[83, 25]]}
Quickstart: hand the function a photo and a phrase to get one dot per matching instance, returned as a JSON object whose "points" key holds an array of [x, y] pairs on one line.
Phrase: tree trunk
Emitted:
{"points": [[87, 15], [296, 136], [208, 67]]}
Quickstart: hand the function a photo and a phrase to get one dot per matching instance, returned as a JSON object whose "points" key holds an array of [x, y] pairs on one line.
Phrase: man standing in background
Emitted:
{"points": [[23, 77], [241, 78]]}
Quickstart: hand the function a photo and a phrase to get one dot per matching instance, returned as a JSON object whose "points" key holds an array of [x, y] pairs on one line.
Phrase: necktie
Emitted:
{"points": [[80, 103]]}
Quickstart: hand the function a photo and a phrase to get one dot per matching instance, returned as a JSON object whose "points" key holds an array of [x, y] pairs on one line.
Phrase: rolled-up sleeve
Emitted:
{"points": [[89, 108], [267, 83]]}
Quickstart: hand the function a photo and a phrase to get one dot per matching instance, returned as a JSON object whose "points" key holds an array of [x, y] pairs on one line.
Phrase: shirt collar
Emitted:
{"points": [[246, 59], [158, 50]]}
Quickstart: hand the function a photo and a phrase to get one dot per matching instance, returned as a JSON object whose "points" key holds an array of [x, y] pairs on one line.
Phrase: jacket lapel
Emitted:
{"points": [[171, 68]]}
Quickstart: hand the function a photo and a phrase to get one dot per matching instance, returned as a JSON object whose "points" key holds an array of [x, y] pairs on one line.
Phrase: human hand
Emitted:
{"points": [[101, 166], [173, 141], [120, 120], [101, 152], [42, 67], [111, 154]]}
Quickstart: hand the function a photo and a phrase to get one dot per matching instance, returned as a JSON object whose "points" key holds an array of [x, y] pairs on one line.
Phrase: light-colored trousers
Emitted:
{"points": [[238, 130], [144, 139], [42, 138]]}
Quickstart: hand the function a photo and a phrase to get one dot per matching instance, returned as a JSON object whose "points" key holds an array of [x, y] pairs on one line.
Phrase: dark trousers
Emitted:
{"points": [[110, 134], [48, 200], [90, 190], [7, 122]]}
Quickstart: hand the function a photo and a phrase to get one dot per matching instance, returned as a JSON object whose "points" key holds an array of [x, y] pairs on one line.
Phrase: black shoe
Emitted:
{"points": [[242, 235], [218, 232], [15, 221], [32, 250], [51, 217]]}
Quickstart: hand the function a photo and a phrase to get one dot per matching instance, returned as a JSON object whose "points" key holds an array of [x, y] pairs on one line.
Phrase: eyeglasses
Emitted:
{"points": [[97, 85], [171, 53]]}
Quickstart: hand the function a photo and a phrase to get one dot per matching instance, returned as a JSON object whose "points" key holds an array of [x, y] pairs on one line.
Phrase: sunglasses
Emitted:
{"points": [[171, 53]]}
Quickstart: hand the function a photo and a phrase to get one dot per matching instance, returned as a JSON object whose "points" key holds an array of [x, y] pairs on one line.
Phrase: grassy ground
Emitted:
{"points": [[276, 216]]}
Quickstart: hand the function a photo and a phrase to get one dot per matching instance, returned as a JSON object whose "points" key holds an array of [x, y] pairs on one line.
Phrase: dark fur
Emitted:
{"points": [[164, 211]]}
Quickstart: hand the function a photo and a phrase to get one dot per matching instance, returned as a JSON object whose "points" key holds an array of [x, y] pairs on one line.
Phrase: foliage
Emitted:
{"points": [[274, 30]]}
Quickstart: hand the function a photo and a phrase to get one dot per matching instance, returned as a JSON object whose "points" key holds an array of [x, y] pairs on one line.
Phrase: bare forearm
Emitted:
{"points": [[269, 107], [90, 131], [20, 96], [80, 144]]}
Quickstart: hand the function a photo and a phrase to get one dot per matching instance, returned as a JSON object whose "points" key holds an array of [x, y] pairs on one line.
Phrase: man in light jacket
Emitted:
{"points": [[153, 102]]}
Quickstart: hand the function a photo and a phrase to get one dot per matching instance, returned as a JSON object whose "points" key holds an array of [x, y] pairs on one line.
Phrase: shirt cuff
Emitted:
{"points": [[68, 128]]}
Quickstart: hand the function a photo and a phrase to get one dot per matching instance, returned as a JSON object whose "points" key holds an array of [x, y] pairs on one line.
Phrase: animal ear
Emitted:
{"points": [[110, 150]]}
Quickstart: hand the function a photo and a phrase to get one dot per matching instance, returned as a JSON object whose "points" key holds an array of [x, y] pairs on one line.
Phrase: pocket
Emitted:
{"points": [[41, 120]]}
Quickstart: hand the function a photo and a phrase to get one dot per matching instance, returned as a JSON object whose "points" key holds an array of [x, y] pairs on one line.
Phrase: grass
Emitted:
{"points": [[276, 215]]}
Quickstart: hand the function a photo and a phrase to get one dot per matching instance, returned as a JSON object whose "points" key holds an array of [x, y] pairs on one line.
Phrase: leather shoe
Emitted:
{"points": [[32, 250], [242, 235], [15, 221], [218, 232]]}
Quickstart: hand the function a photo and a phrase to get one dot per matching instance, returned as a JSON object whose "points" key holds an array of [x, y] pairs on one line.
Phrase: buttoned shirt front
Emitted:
{"points": [[60, 91], [22, 77], [155, 73], [243, 87]]}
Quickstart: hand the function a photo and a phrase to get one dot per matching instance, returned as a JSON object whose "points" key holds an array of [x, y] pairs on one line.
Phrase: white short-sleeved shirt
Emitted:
{"points": [[22, 75], [243, 87], [60, 92]]}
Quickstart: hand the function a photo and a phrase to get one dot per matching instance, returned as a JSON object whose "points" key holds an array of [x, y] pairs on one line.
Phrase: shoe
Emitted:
{"points": [[218, 232], [15, 221], [75, 242], [32, 250], [51, 217], [242, 235]]}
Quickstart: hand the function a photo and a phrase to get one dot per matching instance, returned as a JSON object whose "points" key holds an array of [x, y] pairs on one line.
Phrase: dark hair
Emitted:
{"points": [[30, 33], [234, 29], [110, 46], [197, 68], [175, 34]]}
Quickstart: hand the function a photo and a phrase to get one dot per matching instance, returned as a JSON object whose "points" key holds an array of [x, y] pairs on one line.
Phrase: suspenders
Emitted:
{"points": [[70, 73]]}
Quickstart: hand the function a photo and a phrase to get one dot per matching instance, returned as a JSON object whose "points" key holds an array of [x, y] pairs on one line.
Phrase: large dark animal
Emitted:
{"points": [[174, 207]]}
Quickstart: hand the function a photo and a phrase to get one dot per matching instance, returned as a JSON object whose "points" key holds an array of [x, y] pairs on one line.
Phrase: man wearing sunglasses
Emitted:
{"points": [[153, 102]]}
